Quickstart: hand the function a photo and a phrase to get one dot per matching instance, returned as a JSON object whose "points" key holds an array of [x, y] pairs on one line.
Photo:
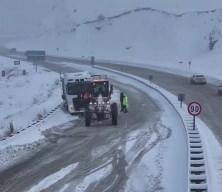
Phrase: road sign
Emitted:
{"points": [[181, 98], [17, 62], [194, 108]]}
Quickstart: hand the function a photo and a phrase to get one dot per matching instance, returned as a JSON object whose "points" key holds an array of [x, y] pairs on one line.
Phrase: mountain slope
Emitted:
{"points": [[141, 31], [140, 34]]}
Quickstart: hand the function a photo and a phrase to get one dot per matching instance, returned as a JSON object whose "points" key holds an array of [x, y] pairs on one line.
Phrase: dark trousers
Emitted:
{"points": [[121, 106], [125, 109]]}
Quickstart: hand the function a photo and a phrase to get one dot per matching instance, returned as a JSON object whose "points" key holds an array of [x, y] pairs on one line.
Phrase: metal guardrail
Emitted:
{"points": [[197, 164]]}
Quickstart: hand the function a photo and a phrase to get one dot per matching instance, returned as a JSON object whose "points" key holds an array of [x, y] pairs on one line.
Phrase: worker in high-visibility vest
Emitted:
{"points": [[121, 101], [125, 103]]}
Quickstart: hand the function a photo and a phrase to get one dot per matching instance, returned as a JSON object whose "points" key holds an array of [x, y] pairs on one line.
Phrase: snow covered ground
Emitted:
{"points": [[159, 34], [31, 140], [139, 32], [54, 11], [27, 101], [27, 97]]}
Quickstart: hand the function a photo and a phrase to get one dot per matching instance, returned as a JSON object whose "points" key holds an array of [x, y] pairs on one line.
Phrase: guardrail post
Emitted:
{"points": [[150, 77], [3, 73], [194, 122], [92, 60], [24, 72]]}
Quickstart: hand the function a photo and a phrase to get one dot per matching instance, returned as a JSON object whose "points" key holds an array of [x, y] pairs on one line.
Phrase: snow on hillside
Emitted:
{"points": [[21, 18], [25, 97], [139, 35], [152, 32]]}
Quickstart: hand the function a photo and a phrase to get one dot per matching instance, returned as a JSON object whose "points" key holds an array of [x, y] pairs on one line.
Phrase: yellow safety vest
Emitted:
{"points": [[125, 101]]}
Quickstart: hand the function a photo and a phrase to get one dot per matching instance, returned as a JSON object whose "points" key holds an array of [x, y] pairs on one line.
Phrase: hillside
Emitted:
{"points": [[137, 31]]}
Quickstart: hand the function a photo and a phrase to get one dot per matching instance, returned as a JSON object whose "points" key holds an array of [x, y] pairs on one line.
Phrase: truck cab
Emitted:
{"points": [[76, 91], [101, 107]]}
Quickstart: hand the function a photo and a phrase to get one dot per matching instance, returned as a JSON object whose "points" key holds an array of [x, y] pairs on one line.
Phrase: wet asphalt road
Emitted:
{"points": [[90, 147]]}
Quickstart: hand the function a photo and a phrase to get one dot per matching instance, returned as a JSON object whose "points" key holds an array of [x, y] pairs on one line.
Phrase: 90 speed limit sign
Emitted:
{"points": [[194, 108]]}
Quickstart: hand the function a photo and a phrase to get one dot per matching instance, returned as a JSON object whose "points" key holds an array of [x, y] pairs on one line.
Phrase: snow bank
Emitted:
{"points": [[26, 98], [31, 140], [28, 102]]}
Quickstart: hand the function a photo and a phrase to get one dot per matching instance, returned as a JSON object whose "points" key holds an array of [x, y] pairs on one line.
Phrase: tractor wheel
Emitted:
{"points": [[87, 118], [114, 113]]}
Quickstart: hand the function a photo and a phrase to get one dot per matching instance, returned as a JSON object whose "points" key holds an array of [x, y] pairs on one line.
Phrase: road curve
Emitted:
{"points": [[204, 94], [89, 147]]}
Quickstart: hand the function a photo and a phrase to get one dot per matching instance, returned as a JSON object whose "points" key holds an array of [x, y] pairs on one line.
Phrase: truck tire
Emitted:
{"points": [[114, 113], [65, 106], [87, 118]]}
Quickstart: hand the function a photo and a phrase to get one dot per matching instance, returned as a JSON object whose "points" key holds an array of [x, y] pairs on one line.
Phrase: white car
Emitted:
{"points": [[198, 79]]}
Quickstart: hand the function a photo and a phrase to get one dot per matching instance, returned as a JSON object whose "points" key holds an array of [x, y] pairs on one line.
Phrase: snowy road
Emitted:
{"points": [[140, 135], [206, 95], [90, 148]]}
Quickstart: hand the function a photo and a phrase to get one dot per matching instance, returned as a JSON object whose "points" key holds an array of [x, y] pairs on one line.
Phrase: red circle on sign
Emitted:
{"points": [[194, 108]]}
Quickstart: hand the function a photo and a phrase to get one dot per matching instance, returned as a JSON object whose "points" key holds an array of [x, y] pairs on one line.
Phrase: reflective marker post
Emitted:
{"points": [[181, 98], [92, 60], [150, 77], [194, 122], [194, 109]]}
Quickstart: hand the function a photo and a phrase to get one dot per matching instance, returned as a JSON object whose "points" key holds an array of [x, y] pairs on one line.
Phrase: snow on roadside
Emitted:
{"points": [[30, 141], [24, 99], [28, 97], [52, 179], [158, 168], [34, 133], [212, 148]]}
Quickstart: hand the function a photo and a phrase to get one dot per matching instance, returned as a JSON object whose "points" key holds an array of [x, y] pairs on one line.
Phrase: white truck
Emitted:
{"points": [[75, 87]]}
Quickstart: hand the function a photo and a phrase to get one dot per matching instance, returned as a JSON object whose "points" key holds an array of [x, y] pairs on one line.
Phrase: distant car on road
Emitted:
{"points": [[198, 79], [219, 90], [12, 50]]}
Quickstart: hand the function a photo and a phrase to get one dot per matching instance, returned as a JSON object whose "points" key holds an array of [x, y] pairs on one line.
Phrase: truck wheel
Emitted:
{"points": [[65, 106], [114, 113], [87, 118]]}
